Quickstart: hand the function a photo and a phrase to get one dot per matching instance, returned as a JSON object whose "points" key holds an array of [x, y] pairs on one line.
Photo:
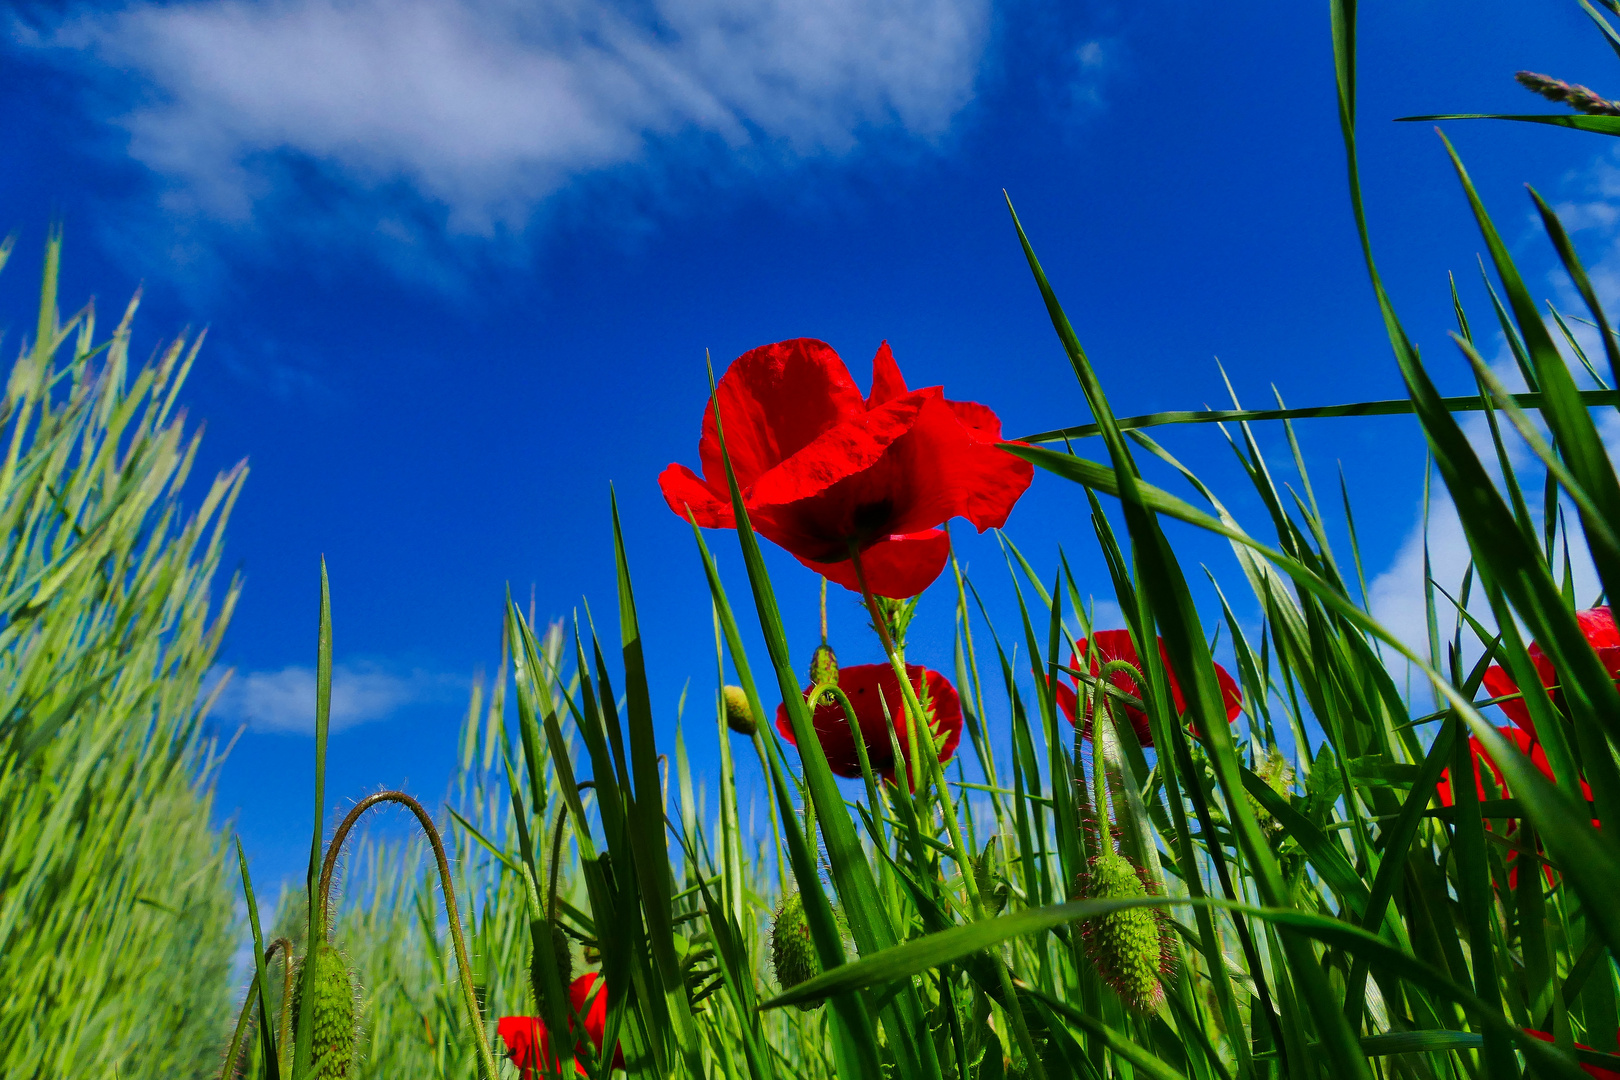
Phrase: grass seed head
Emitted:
{"points": [[792, 951], [739, 714], [1129, 948]]}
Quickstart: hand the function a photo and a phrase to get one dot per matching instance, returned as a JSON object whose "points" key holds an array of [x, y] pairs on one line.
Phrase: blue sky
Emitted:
{"points": [[461, 260]]}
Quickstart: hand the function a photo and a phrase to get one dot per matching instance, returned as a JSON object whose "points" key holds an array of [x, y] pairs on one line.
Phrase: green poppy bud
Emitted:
{"points": [[792, 951], [332, 1012], [823, 666], [739, 714], [563, 957], [1129, 948]]}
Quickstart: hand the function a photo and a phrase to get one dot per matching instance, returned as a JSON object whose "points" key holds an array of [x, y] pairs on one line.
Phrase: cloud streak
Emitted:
{"points": [[282, 701], [484, 108]]}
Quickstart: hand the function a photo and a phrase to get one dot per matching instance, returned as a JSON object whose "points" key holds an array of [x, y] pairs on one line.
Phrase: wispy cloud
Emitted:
{"points": [[483, 108], [283, 701]]}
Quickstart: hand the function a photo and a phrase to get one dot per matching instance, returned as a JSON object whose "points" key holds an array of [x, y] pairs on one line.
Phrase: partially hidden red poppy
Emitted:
{"points": [[1597, 624], [870, 688], [528, 1044], [1526, 744], [1107, 645], [823, 470], [1594, 1071]]}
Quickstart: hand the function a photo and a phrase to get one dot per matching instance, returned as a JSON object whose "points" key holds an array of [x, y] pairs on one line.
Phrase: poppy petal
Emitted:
{"points": [[887, 382], [684, 490], [898, 567], [841, 451], [1498, 683], [775, 400]]}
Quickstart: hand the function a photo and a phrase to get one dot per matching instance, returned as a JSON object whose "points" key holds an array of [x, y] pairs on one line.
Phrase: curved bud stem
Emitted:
{"points": [[463, 964], [234, 1052]]}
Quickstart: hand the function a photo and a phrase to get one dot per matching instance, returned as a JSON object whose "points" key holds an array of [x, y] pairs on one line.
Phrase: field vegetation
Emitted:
{"points": [[1326, 858]]}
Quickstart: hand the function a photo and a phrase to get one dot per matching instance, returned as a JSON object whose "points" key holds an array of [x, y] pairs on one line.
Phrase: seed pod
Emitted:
{"points": [[739, 714], [332, 1011], [562, 955], [823, 666], [1129, 948], [792, 951]]}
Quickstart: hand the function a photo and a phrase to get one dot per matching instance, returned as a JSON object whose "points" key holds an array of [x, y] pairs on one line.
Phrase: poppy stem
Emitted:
{"points": [[920, 721], [824, 611], [447, 886]]}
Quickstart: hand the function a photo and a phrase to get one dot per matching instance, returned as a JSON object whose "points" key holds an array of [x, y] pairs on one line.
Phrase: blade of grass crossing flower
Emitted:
{"points": [[854, 1041], [1171, 603], [852, 875], [647, 816], [1395, 407], [267, 1034]]}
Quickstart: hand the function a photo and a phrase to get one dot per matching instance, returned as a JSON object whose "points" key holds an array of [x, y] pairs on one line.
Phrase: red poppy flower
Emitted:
{"points": [[1107, 645], [1530, 747], [870, 687], [1594, 1071], [822, 469], [1597, 624], [529, 1047]]}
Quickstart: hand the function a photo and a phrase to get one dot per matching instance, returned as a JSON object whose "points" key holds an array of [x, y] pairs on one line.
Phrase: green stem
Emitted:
{"points": [[920, 724], [463, 964]]}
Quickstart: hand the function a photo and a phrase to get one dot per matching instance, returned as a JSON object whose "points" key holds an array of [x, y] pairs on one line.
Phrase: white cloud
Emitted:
{"points": [[283, 701], [483, 108]]}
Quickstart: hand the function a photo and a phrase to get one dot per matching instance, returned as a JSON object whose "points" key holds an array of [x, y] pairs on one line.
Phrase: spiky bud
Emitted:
{"points": [[563, 957], [792, 951], [1129, 948], [739, 714], [332, 1011], [823, 666]]}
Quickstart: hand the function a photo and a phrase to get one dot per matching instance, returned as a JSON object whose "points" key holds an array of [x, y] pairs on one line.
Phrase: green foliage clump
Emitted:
{"points": [[116, 922]]}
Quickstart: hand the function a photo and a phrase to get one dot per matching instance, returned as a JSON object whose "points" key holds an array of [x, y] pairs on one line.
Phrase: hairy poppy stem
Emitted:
{"points": [[969, 879], [234, 1052], [463, 964]]}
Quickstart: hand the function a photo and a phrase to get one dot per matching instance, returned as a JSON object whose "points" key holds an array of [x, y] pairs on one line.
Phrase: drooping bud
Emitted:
{"points": [[792, 951], [332, 1011], [562, 956], [739, 714], [1129, 947], [823, 666]]}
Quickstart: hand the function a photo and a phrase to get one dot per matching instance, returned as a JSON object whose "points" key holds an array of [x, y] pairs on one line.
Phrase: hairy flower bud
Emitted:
{"points": [[823, 666], [332, 1011], [739, 714], [1129, 948], [792, 951]]}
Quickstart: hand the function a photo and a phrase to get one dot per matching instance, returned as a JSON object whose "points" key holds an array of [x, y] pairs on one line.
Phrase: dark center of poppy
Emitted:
{"points": [[871, 520]]}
